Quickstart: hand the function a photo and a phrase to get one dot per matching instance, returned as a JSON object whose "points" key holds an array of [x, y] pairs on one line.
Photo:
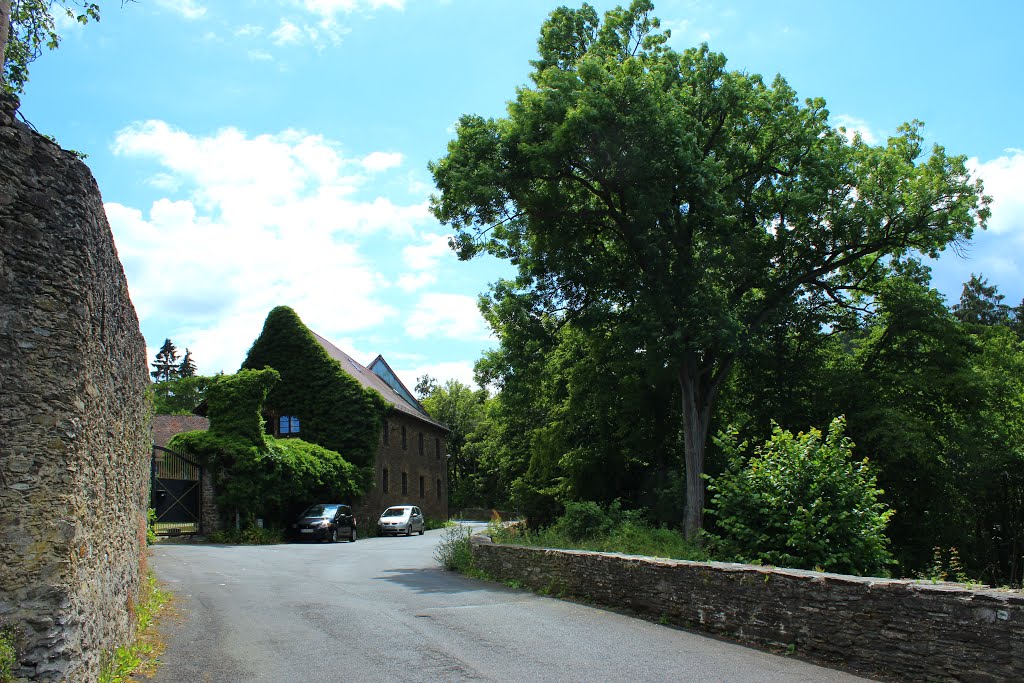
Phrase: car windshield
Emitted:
{"points": [[320, 511], [394, 512]]}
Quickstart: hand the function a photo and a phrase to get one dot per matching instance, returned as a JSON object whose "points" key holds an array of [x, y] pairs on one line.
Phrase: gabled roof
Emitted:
{"points": [[398, 396]]}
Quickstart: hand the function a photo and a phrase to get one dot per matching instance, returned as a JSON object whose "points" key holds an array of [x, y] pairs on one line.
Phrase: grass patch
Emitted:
{"points": [[141, 655], [630, 537], [8, 653]]}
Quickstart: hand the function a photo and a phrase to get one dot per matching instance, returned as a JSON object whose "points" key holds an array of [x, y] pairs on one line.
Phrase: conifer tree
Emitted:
{"points": [[165, 365], [187, 368]]}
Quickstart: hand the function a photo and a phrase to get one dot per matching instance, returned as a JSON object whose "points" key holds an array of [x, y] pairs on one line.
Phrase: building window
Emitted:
{"points": [[405, 444], [405, 484], [423, 487], [439, 489], [437, 448], [421, 443], [287, 425], [387, 432], [384, 480]]}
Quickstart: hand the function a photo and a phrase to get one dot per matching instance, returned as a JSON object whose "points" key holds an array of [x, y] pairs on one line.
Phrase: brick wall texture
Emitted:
{"points": [[899, 629], [74, 435]]}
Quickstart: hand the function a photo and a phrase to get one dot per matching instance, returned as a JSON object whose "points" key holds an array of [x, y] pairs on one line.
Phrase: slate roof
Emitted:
{"points": [[166, 426], [401, 400]]}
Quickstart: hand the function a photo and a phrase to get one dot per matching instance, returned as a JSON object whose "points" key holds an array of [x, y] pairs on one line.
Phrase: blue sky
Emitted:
{"points": [[255, 153]]}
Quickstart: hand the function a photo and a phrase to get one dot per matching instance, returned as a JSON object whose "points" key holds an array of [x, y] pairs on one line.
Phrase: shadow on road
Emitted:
{"points": [[434, 580]]}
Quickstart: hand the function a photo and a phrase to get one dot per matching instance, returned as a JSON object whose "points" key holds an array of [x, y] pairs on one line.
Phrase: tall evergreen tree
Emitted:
{"points": [[165, 366], [981, 303], [187, 368]]}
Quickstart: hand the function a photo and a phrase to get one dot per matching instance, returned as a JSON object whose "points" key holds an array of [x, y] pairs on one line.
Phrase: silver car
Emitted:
{"points": [[401, 519]]}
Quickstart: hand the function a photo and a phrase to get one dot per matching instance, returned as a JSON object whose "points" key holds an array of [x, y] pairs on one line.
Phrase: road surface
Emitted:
{"points": [[381, 609]]}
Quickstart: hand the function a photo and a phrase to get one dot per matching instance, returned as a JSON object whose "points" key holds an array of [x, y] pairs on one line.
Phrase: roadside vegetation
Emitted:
{"points": [[141, 655], [739, 269]]}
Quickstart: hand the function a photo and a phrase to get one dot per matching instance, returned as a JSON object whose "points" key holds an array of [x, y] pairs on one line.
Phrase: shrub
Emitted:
{"points": [[800, 502], [453, 551], [8, 654], [583, 519], [588, 526]]}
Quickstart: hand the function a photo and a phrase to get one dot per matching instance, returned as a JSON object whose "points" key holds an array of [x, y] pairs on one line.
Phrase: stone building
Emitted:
{"points": [[411, 467], [408, 455]]}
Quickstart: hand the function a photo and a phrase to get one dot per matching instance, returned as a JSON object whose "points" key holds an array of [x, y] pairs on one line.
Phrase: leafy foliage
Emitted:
{"points": [[802, 502], [179, 396], [258, 475], [32, 29], [334, 409], [452, 551], [8, 653], [686, 202], [461, 409], [586, 525]]}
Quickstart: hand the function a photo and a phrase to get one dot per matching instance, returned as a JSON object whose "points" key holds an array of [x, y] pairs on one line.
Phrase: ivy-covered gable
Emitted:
{"points": [[334, 410], [255, 474]]}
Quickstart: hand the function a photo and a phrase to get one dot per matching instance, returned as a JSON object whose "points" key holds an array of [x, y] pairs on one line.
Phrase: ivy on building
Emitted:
{"points": [[336, 412], [257, 475]]}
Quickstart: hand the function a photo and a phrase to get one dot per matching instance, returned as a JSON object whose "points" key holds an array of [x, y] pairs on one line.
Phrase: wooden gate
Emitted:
{"points": [[176, 493]]}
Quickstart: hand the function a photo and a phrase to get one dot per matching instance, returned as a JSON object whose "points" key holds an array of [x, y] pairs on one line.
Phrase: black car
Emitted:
{"points": [[325, 522]]}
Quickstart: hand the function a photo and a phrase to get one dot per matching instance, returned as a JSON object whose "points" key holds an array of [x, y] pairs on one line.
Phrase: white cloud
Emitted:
{"points": [[330, 8], [248, 30], [189, 9], [260, 56], [287, 33], [413, 282], [447, 315], [382, 161], [253, 222], [1004, 178], [854, 125], [442, 372], [427, 254]]}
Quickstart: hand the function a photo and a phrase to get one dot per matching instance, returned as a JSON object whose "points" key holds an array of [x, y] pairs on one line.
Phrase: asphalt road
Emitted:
{"points": [[382, 610]]}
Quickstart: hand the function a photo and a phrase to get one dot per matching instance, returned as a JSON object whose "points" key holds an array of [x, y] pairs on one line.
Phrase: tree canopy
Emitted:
{"points": [[688, 202], [27, 27]]}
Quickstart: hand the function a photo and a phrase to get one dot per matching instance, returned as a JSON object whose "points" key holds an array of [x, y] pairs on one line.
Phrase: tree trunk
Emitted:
{"points": [[699, 389], [5, 30]]}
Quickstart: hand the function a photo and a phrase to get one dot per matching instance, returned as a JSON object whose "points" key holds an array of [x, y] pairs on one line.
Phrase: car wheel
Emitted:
{"points": [[352, 536], [334, 536], [408, 530], [422, 529]]}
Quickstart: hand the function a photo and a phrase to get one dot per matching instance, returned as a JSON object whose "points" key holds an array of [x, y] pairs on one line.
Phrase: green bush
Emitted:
{"points": [[583, 519], [453, 551], [800, 502], [8, 654], [588, 526]]}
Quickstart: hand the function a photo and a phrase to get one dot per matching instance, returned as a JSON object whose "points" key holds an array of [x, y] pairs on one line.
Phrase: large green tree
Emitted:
{"points": [[692, 202], [461, 408]]}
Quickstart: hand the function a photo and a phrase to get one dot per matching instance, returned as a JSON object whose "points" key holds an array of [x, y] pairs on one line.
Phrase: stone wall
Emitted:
{"points": [[74, 439], [431, 464], [902, 629]]}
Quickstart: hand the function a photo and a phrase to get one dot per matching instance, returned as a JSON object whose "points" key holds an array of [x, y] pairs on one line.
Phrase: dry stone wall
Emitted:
{"points": [[899, 629], [74, 436]]}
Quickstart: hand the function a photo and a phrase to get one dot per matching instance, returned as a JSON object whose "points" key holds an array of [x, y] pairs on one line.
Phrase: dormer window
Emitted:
{"points": [[288, 425]]}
